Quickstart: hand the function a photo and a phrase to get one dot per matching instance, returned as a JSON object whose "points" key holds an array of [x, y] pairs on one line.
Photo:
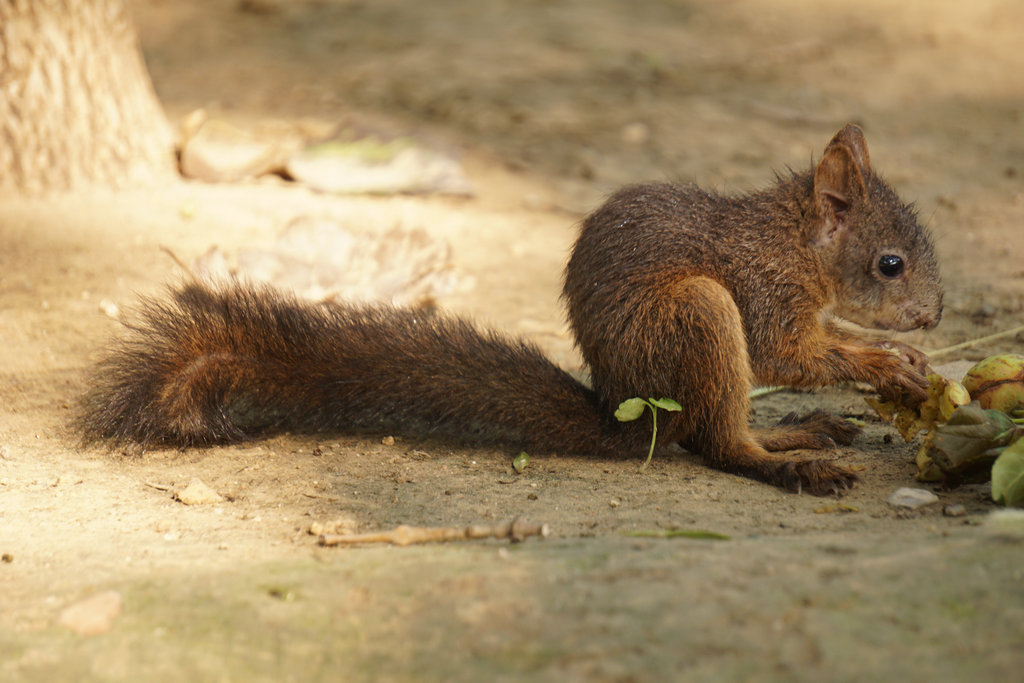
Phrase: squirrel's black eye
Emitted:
{"points": [[890, 265]]}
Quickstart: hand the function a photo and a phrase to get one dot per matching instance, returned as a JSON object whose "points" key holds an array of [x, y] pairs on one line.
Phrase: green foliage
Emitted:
{"points": [[520, 462], [666, 404], [971, 439], [632, 408], [1008, 476]]}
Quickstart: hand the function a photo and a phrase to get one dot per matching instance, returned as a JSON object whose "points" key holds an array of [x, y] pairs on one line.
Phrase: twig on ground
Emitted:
{"points": [[516, 531], [938, 353], [764, 391], [181, 264]]}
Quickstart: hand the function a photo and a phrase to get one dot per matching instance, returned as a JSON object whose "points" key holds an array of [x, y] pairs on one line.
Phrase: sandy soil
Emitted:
{"points": [[550, 105]]}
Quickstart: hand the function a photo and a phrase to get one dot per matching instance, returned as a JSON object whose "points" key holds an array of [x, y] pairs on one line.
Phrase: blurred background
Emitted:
{"points": [[587, 95]]}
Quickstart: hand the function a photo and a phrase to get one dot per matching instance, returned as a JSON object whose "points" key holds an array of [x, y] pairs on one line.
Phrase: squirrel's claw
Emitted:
{"points": [[822, 478]]}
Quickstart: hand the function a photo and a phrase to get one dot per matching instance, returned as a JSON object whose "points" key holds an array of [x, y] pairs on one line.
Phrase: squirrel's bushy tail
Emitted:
{"points": [[229, 362]]}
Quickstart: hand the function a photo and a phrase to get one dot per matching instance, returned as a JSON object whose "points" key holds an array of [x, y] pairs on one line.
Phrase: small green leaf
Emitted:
{"points": [[666, 404], [520, 462], [1008, 476], [630, 409]]}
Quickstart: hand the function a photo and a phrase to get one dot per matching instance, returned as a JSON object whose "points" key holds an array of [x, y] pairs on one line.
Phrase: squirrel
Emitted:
{"points": [[671, 290]]}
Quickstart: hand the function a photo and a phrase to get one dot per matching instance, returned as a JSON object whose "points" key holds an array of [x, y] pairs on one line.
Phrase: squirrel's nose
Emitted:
{"points": [[929, 319]]}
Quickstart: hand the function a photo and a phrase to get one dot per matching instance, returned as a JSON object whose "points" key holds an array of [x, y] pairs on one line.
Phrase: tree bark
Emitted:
{"points": [[77, 106]]}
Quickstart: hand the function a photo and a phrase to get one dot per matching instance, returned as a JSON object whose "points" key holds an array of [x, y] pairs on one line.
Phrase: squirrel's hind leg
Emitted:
{"points": [[815, 430], [713, 383]]}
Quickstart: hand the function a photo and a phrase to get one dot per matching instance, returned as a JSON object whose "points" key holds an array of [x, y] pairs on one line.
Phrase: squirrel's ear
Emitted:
{"points": [[838, 183], [852, 137]]}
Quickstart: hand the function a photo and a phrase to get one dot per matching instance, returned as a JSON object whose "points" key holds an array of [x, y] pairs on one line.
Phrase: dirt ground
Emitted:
{"points": [[549, 105]]}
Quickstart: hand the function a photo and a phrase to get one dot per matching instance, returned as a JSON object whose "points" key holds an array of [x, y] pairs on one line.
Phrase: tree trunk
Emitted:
{"points": [[77, 106]]}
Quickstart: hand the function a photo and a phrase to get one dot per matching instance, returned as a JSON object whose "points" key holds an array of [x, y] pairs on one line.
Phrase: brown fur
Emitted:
{"points": [[675, 291], [672, 291]]}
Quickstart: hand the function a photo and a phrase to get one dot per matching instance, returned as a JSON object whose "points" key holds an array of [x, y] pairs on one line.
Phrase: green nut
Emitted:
{"points": [[997, 382]]}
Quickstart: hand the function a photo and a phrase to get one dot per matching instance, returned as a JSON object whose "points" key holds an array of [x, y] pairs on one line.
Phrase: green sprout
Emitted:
{"points": [[632, 408], [520, 462]]}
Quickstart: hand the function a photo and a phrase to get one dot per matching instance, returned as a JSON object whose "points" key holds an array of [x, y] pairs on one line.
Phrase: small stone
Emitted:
{"points": [[94, 615], [110, 309], [198, 493], [1007, 524], [956, 510], [912, 498], [388, 441]]}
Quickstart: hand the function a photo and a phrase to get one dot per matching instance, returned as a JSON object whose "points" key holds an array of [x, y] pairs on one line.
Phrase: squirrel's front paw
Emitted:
{"points": [[904, 384], [819, 477], [918, 360]]}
